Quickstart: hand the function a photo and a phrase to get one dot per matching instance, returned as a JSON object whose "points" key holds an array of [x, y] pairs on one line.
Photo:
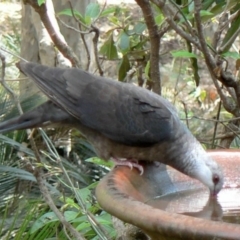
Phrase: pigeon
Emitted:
{"points": [[122, 121]]}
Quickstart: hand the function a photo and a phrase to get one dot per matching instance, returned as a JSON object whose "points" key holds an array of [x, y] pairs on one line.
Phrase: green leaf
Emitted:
{"points": [[109, 49], [104, 218], [207, 3], [231, 35], [194, 64], [17, 145], [92, 10], [183, 54], [83, 226], [107, 11], [43, 220], [124, 41], [217, 8], [84, 193], [159, 19], [205, 13], [70, 215], [100, 162], [191, 6], [139, 28], [124, 67], [88, 20], [203, 95], [17, 172], [233, 55], [114, 20], [147, 69], [40, 2], [70, 202], [68, 12]]}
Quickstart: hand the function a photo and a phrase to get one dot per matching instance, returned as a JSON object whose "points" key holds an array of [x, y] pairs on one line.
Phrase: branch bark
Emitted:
{"points": [[155, 83], [49, 201], [48, 19]]}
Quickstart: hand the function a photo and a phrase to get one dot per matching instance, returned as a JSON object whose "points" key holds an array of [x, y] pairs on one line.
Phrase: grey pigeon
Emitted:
{"points": [[122, 121]]}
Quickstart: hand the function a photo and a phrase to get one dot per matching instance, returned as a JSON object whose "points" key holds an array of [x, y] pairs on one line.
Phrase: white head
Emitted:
{"points": [[211, 175]]}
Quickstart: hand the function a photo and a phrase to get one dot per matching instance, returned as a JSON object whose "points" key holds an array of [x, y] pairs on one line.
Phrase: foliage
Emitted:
{"points": [[76, 216], [127, 42], [40, 2], [44, 223]]}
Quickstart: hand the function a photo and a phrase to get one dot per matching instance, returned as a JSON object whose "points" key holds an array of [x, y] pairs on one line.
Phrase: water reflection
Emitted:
{"points": [[196, 203]]}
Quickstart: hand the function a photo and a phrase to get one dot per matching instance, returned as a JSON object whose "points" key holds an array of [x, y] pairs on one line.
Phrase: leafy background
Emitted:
{"points": [[124, 46]]}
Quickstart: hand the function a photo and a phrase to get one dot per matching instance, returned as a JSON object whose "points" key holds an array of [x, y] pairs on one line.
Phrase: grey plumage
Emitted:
{"points": [[119, 119], [38, 118]]}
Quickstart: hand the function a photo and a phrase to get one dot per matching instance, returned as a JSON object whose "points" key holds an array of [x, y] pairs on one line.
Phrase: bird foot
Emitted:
{"points": [[131, 163]]}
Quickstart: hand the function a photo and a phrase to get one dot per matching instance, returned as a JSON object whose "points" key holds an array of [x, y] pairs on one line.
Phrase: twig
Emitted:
{"points": [[208, 57], [220, 121], [9, 90], [95, 46], [213, 120], [12, 53], [16, 79], [37, 172], [207, 143], [70, 27], [218, 32], [177, 81], [51, 204], [100, 13], [53, 31], [230, 41], [167, 13], [179, 12], [186, 112], [80, 24], [216, 124], [74, 15], [221, 136], [48, 199], [85, 211], [214, 68], [140, 79], [231, 18], [155, 83]]}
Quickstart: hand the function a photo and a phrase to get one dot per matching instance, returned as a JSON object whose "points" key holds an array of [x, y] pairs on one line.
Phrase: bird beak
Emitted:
{"points": [[214, 193]]}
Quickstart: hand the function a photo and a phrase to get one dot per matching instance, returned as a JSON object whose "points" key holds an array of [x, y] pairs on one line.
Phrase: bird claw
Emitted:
{"points": [[131, 163]]}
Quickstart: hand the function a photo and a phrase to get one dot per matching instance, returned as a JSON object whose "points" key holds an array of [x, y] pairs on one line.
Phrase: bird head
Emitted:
{"points": [[211, 175]]}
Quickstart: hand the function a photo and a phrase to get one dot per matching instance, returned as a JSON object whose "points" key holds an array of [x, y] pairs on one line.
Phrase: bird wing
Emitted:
{"points": [[122, 112]]}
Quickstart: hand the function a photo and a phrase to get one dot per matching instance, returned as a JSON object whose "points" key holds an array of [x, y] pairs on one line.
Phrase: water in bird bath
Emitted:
{"points": [[196, 203]]}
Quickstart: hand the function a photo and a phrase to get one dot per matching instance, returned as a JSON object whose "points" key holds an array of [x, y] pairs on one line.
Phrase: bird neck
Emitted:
{"points": [[187, 155]]}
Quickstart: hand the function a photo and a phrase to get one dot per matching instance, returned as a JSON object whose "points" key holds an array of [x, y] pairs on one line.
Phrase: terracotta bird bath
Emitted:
{"points": [[140, 200]]}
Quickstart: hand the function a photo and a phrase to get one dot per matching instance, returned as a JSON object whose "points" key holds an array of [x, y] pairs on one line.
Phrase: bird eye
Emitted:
{"points": [[215, 179]]}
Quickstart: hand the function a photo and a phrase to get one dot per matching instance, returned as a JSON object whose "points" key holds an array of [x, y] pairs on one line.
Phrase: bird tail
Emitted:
{"points": [[18, 123], [45, 114]]}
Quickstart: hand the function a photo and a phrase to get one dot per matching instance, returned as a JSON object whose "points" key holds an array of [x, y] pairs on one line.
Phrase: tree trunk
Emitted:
{"points": [[37, 45]]}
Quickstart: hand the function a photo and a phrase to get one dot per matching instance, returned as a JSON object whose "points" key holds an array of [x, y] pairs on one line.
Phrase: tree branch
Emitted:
{"points": [[50, 23], [49, 201], [155, 82], [165, 8], [208, 57]]}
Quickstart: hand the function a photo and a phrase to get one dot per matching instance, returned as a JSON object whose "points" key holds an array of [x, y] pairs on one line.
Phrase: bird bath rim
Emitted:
{"points": [[123, 193]]}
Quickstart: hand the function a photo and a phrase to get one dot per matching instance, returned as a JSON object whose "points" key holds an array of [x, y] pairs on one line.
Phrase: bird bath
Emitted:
{"points": [[166, 204]]}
